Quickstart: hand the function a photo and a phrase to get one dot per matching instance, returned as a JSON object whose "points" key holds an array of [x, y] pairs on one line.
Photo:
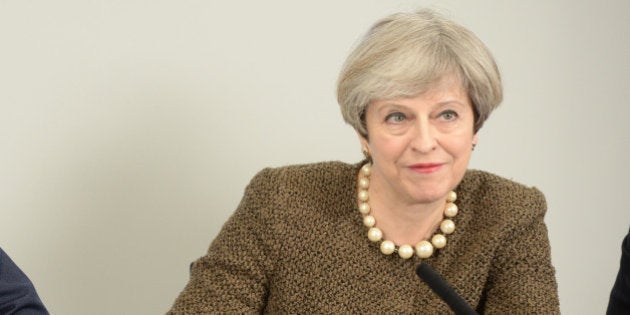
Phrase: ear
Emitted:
{"points": [[363, 140], [475, 139]]}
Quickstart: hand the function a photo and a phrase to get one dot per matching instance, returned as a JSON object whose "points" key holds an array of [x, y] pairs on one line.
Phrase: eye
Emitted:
{"points": [[395, 117], [449, 115]]}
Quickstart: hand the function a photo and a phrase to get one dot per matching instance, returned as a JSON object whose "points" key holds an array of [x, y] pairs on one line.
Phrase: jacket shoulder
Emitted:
{"points": [[305, 174], [501, 196], [305, 181]]}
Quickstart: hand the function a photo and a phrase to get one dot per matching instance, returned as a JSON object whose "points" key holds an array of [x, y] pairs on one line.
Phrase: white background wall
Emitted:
{"points": [[129, 129]]}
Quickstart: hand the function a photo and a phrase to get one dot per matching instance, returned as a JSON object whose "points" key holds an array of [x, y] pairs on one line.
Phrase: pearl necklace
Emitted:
{"points": [[424, 249]]}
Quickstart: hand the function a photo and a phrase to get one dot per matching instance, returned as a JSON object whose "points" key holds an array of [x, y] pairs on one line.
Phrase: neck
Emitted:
{"points": [[404, 222], [408, 232]]}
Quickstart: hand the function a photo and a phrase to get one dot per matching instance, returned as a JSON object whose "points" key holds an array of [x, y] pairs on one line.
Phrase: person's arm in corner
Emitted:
{"points": [[232, 278], [17, 293], [522, 279], [619, 302]]}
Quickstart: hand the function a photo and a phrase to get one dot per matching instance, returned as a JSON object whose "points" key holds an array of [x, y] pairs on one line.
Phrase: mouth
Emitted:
{"points": [[426, 168]]}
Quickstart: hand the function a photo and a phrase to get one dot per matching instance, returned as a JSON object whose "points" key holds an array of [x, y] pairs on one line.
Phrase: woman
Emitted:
{"points": [[338, 238]]}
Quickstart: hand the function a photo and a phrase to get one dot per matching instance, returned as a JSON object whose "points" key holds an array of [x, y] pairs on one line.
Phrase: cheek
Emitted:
{"points": [[389, 147], [460, 147]]}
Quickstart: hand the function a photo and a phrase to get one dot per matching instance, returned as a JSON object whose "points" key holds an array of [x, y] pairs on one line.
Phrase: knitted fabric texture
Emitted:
{"points": [[297, 244]]}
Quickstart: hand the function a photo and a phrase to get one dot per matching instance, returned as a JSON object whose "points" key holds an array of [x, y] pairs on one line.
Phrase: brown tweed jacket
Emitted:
{"points": [[297, 245]]}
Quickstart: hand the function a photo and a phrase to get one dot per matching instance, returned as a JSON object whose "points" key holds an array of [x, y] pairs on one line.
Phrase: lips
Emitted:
{"points": [[426, 168]]}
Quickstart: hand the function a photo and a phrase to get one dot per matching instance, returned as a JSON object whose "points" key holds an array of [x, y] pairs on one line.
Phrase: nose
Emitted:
{"points": [[424, 138]]}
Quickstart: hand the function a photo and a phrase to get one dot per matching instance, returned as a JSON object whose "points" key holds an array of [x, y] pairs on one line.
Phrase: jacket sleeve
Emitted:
{"points": [[522, 278], [233, 277]]}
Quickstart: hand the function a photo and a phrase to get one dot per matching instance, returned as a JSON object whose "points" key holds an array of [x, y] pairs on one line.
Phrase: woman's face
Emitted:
{"points": [[420, 146]]}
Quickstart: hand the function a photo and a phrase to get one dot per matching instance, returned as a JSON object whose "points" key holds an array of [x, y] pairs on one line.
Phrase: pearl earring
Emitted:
{"points": [[366, 153]]}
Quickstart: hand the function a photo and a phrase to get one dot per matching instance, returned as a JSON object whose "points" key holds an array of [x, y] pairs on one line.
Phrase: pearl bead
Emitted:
{"points": [[405, 251], [369, 221], [375, 234], [363, 195], [447, 226], [450, 210], [451, 197], [424, 249], [364, 208], [387, 247], [438, 240], [364, 183], [366, 169]]}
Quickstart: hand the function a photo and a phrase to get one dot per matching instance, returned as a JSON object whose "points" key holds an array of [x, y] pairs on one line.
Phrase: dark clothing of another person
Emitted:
{"points": [[620, 296], [17, 293]]}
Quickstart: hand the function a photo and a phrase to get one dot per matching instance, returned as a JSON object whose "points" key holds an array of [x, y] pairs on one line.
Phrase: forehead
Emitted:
{"points": [[448, 89]]}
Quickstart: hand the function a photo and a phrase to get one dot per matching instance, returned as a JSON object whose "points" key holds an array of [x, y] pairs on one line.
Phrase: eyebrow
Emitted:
{"points": [[386, 107], [393, 104]]}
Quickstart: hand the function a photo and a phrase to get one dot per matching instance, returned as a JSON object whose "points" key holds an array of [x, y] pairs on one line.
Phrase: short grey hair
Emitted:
{"points": [[404, 54]]}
